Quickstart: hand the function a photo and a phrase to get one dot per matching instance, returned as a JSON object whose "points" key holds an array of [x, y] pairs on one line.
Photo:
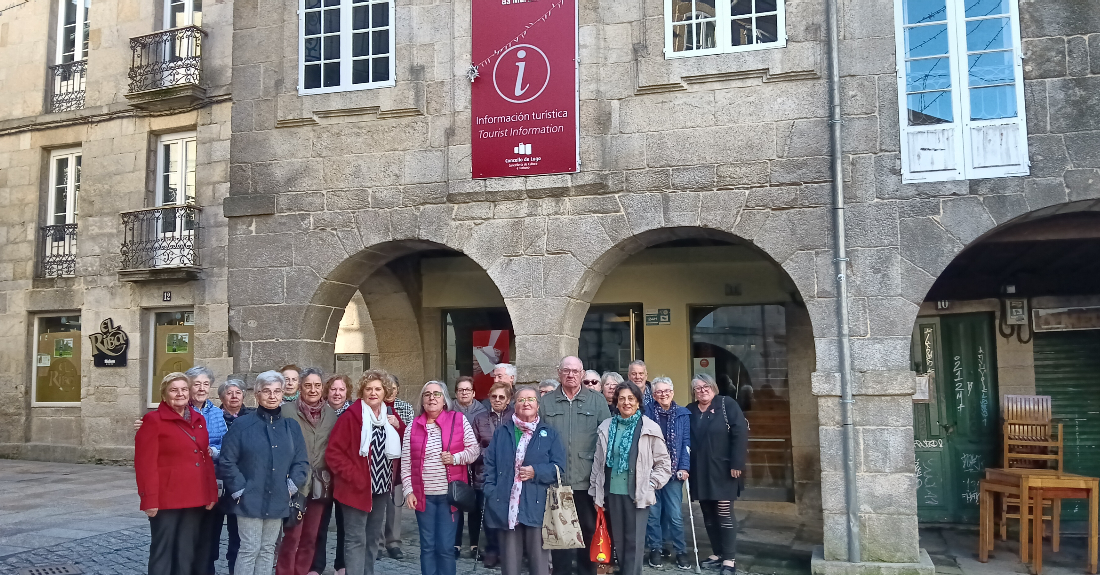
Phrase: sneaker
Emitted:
{"points": [[458, 552], [683, 561], [729, 569], [395, 553], [655, 559], [712, 562]]}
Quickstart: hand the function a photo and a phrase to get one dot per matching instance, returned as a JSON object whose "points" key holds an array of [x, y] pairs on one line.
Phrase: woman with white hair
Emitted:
{"points": [[435, 451], [609, 382], [263, 464]]}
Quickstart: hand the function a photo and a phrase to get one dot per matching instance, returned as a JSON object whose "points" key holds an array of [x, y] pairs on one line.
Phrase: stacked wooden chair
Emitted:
{"points": [[1031, 442]]}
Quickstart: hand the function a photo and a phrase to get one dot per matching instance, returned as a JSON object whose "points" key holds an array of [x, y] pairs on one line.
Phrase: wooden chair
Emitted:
{"points": [[1030, 442]]}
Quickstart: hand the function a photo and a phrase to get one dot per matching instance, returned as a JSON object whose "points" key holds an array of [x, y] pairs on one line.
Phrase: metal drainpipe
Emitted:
{"points": [[844, 355]]}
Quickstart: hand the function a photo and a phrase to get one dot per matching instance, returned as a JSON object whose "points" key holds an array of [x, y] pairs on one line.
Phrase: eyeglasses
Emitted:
{"points": [[498, 397], [270, 392], [591, 382], [627, 399], [702, 389], [662, 391], [465, 390], [570, 371], [433, 394], [527, 400]]}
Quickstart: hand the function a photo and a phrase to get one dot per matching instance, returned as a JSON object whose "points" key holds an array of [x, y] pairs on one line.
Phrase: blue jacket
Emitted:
{"points": [[681, 425], [544, 452], [215, 425], [260, 453]]}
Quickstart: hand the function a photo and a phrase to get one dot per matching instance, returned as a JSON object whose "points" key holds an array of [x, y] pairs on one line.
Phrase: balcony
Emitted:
{"points": [[166, 69], [160, 244], [65, 86], [58, 251]]}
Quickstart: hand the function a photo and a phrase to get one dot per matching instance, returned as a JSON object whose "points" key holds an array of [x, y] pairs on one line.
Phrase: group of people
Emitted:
{"points": [[275, 474]]}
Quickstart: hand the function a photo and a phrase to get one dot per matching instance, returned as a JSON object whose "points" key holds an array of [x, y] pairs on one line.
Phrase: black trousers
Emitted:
{"points": [[563, 558], [320, 556], [475, 521], [721, 525], [174, 542], [209, 543], [628, 525]]}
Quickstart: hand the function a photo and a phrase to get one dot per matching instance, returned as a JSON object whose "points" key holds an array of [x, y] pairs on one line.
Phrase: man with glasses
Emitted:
{"points": [[575, 412], [465, 404]]}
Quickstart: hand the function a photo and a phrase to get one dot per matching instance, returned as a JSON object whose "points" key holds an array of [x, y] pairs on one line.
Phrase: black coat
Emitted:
{"points": [[719, 444], [259, 453]]}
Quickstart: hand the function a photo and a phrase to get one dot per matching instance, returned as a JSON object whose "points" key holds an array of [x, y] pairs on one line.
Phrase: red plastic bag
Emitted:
{"points": [[601, 540]]}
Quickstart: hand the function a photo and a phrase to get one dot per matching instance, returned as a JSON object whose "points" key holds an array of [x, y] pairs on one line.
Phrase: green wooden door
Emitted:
{"points": [[956, 434], [1067, 368]]}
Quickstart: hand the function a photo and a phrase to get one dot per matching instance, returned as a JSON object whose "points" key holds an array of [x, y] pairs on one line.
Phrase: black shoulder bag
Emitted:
{"points": [[459, 493]]}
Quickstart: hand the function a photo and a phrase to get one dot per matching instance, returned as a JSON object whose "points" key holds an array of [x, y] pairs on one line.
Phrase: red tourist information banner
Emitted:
{"points": [[524, 99]]}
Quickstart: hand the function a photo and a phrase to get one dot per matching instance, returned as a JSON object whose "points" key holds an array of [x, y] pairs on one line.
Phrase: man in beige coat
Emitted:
{"points": [[630, 464]]}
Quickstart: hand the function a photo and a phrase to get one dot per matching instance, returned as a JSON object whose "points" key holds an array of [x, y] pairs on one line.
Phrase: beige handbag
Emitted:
{"points": [[561, 528]]}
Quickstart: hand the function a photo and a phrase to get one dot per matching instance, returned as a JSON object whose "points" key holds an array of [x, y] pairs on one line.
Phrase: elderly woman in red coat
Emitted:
{"points": [[175, 477]]}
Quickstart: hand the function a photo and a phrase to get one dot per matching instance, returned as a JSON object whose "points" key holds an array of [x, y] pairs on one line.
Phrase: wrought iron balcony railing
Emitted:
{"points": [[166, 59], [65, 86], [58, 257], [164, 237]]}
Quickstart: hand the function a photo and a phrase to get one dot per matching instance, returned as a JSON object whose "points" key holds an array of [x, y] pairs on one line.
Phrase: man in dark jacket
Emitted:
{"points": [[263, 464]]}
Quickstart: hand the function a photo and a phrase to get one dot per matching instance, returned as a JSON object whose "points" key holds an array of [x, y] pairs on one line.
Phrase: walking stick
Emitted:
{"points": [[691, 517]]}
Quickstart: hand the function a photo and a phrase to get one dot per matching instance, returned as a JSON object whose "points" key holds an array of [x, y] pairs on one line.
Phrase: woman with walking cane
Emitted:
{"points": [[719, 449]]}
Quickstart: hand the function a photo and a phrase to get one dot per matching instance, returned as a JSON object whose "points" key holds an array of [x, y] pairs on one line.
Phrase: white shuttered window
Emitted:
{"points": [[960, 84]]}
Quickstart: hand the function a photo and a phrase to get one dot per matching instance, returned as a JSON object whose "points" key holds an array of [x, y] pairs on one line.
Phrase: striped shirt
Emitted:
{"points": [[434, 473]]}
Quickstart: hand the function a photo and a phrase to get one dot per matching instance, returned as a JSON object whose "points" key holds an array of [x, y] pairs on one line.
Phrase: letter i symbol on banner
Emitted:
{"points": [[519, 76]]}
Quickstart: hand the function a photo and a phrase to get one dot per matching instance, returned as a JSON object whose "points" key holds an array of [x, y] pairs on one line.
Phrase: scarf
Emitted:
{"points": [[343, 408], [621, 464], [290, 398], [312, 415], [370, 421], [665, 420], [528, 430]]}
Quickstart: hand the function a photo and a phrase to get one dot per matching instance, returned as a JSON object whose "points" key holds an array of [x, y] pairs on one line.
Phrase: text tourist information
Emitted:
{"points": [[524, 96]]}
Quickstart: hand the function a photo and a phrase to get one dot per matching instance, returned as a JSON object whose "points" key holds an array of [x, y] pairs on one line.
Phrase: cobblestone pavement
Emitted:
{"points": [[88, 516]]}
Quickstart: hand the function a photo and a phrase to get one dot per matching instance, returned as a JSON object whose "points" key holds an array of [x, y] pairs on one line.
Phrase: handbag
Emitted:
{"points": [[561, 528], [297, 499], [601, 540], [459, 493], [320, 485]]}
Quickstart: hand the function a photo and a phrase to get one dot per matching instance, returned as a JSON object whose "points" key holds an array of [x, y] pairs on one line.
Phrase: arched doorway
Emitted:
{"points": [[1017, 312], [688, 300], [429, 314]]}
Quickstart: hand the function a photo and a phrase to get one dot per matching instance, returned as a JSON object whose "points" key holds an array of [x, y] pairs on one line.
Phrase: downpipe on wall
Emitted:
{"points": [[840, 251]]}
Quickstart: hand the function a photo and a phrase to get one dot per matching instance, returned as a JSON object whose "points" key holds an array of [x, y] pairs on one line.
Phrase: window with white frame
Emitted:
{"points": [[176, 169], [700, 27], [180, 13], [960, 84], [345, 45], [64, 187], [72, 30]]}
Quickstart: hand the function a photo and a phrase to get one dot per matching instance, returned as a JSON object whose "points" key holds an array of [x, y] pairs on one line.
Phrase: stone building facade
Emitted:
{"points": [[364, 197], [93, 133]]}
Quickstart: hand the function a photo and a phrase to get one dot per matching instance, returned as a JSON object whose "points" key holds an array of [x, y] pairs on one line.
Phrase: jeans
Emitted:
{"points": [[258, 539], [475, 521], [175, 535], [363, 530], [721, 526], [296, 551], [666, 518], [437, 535]]}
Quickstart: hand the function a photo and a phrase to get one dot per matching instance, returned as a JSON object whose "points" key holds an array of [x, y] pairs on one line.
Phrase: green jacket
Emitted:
{"points": [[576, 422]]}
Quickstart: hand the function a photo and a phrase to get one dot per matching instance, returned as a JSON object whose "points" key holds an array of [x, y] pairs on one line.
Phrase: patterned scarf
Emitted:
{"points": [[664, 419], [621, 464], [289, 398], [312, 415], [528, 430]]}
